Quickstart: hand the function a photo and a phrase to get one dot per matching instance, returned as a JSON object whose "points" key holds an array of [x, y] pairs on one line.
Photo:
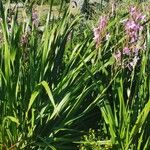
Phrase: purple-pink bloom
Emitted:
{"points": [[133, 24], [132, 30], [96, 36], [100, 30], [34, 16], [35, 19], [126, 51], [103, 22], [96, 33], [133, 27], [136, 14]]}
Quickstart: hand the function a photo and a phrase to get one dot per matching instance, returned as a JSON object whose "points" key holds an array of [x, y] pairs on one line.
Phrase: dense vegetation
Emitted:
{"points": [[55, 2], [77, 83]]}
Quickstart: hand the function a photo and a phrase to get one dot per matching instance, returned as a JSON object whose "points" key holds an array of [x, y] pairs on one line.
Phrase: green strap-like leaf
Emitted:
{"points": [[36, 93], [11, 118], [139, 123]]}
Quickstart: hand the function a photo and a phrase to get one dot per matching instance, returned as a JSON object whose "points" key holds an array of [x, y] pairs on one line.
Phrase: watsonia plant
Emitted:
{"points": [[45, 94], [126, 104], [126, 111]]}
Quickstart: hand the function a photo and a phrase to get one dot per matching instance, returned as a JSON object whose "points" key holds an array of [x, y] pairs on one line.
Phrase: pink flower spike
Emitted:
{"points": [[35, 19], [96, 32], [103, 22], [142, 17], [96, 36], [136, 14], [132, 9], [100, 31]]}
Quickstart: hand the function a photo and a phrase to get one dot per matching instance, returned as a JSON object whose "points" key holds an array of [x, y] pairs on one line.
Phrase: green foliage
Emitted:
{"points": [[126, 105], [44, 91], [55, 85]]}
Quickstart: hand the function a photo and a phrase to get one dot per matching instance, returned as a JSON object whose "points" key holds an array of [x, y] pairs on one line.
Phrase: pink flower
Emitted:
{"points": [[100, 31], [132, 30], [96, 36], [35, 19], [96, 33], [133, 27], [34, 16], [126, 51], [103, 22], [136, 14], [132, 9], [133, 24]]}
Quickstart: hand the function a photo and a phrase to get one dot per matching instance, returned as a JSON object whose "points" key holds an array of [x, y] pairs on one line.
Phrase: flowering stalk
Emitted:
{"points": [[100, 30], [133, 26], [35, 19]]}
